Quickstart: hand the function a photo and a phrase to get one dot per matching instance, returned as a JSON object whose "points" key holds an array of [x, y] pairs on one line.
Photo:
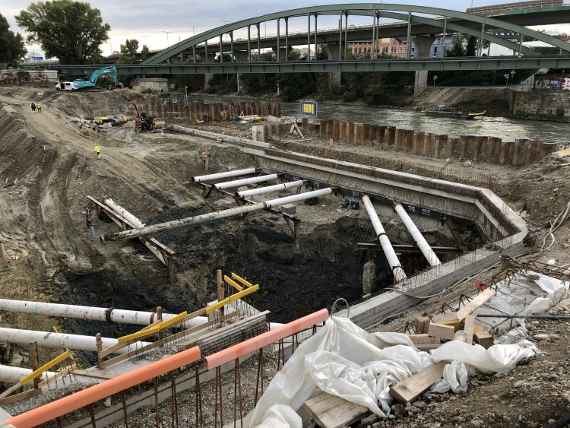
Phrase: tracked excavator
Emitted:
{"points": [[81, 84]]}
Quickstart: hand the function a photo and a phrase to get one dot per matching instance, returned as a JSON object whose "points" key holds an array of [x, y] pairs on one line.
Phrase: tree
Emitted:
{"points": [[145, 53], [458, 48], [129, 52], [12, 48], [68, 30], [471, 49]]}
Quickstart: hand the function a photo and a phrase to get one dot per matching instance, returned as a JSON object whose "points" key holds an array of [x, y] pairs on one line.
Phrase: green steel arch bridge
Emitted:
{"points": [[219, 50]]}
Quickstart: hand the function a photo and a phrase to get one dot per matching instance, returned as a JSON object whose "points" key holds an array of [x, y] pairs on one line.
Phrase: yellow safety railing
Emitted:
{"points": [[44, 368], [232, 283], [242, 280], [155, 328], [234, 297]]}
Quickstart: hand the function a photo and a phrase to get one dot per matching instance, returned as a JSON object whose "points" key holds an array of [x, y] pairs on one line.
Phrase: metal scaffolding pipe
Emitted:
{"points": [[118, 316], [46, 339], [206, 218], [393, 261], [423, 245], [222, 175], [245, 181], [269, 189], [297, 198], [9, 374]]}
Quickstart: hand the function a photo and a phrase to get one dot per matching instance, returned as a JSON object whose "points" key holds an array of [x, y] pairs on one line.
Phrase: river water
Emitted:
{"points": [[506, 129]]}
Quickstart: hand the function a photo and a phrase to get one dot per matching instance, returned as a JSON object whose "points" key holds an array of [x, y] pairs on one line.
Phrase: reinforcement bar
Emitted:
{"points": [[96, 393], [255, 343]]}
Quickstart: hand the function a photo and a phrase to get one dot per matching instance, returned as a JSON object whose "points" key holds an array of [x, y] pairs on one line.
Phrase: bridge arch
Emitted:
{"points": [[396, 11]]}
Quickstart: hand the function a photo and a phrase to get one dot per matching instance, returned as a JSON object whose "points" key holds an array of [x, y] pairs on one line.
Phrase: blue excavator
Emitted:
{"points": [[81, 84]]}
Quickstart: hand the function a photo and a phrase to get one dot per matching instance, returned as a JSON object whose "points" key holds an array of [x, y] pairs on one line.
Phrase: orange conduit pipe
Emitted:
{"points": [[99, 392], [255, 343]]}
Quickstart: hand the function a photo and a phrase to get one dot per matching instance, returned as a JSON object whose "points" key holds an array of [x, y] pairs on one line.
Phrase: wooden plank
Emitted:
{"points": [[412, 387], [423, 339], [441, 331], [479, 300], [483, 336], [330, 411], [469, 328]]}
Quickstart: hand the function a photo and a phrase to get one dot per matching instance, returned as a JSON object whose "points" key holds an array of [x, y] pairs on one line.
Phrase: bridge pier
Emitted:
{"points": [[421, 49], [207, 79]]}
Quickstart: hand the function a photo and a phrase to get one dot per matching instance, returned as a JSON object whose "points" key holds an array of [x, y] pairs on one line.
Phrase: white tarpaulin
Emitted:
{"points": [[346, 361]]}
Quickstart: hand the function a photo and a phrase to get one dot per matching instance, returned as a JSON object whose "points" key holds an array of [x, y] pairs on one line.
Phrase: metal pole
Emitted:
{"points": [[249, 43], [309, 37], [221, 48], [258, 41], [393, 262], [521, 44], [345, 33], [409, 35], [417, 235], [340, 37], [269, 189], [245, 182], [444, 36], [206, 218], [481, 39], [286, 39], [206, 51], [232, 46], [194, 54], [373, 44], [278, 37], [316, 34]]}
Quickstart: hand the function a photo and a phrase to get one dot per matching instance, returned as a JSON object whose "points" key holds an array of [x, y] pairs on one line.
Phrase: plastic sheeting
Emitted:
{"points": [[346, 361]]}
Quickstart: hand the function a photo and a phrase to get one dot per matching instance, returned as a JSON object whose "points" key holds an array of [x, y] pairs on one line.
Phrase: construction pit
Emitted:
{"points": [[64, 210]]}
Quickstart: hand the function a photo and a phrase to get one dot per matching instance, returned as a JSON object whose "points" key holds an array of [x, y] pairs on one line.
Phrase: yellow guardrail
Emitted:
{"points": [[242, 280], [232, 283], [41, 370], [154, 328], [216, 306]]}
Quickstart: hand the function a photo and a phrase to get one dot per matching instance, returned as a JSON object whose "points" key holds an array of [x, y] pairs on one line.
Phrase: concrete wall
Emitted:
{"points": [[542, 105], [473, 148], [156, 84]]}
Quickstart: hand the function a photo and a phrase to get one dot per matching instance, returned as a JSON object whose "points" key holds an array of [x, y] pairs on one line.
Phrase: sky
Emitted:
{"points": [[159, 23]]}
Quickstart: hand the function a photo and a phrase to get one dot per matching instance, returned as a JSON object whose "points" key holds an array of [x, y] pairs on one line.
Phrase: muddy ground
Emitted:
{"points": [[48, 167]]}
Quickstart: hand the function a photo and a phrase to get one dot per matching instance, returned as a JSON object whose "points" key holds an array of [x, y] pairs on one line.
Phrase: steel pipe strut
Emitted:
{"points": [[118, 316], [222, 175], [74, 342], [393, 261], [245, 181], [423, 245], [206, 218], [9, 374], [269, 189]]}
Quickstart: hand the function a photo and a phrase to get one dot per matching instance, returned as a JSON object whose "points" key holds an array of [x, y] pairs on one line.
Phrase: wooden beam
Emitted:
{"points": [[469, 328], [441, 331], [412, 387], [478, 301], [329, 411]]}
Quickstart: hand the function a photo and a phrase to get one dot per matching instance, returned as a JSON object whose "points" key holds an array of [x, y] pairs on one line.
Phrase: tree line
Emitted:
{"points": [[71, 31]]}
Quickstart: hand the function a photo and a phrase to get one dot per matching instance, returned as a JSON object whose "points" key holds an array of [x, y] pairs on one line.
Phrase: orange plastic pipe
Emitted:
{"points": [[93, 394], [255, 343]]}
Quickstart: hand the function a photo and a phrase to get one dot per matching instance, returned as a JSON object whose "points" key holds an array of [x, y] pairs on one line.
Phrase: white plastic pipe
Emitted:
{"points": [[270, 189], [205, 218], [223, 175], [92, 313], [9, 374], [423, 245], [130, 218], [393, 261], [74, 342], [298, 198], [245, 181]]}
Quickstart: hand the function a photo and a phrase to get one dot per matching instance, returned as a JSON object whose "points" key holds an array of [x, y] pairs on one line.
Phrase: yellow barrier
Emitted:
{"points": [[41, 370], [242, 280], [154, 328], [231, 299], [232, 283]]}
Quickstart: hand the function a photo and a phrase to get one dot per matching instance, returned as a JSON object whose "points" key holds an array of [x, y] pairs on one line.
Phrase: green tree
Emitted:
{"points": [[12, 48], [471, 49], [68, 30], [129, 52], [145, 53], [458, 48]]}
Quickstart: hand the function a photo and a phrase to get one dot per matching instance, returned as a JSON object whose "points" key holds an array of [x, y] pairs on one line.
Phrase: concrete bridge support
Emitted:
{"points": [[422, 49]]}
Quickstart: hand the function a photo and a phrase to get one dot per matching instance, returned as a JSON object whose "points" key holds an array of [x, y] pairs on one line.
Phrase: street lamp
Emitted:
{"points": [[513, 72], [507, 75], [435, 77]]}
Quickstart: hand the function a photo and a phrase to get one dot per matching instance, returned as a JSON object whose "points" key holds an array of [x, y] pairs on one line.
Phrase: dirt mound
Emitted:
{"points": [[90, 104]]}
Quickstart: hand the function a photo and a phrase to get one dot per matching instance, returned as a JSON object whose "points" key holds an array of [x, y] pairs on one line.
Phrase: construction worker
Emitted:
{"points": [[33, 106], [39, 108], [98, 150]]}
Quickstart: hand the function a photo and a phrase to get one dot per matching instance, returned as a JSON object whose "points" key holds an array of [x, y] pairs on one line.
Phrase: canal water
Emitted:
{"points": [[500, 127]]}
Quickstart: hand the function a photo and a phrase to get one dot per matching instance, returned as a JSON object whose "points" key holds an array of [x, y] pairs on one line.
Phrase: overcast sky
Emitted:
{"points": [[158, 23]]}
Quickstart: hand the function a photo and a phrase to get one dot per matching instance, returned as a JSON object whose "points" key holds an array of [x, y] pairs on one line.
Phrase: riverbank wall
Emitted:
{"points": [[541, 105]]}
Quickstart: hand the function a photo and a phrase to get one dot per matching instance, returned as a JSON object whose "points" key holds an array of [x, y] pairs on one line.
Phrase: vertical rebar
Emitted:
{"points": [[198, 394], [259, 381], [125, 414], [156, 414], [92, 416], [175, 422]]}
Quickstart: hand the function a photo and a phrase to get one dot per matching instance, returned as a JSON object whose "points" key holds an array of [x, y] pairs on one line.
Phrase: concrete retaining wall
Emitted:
{"points": [[473, 148], [542, 105]]}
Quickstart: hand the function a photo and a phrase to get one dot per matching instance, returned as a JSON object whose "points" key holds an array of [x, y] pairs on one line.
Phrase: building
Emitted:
{"points": [[386, 47]]}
